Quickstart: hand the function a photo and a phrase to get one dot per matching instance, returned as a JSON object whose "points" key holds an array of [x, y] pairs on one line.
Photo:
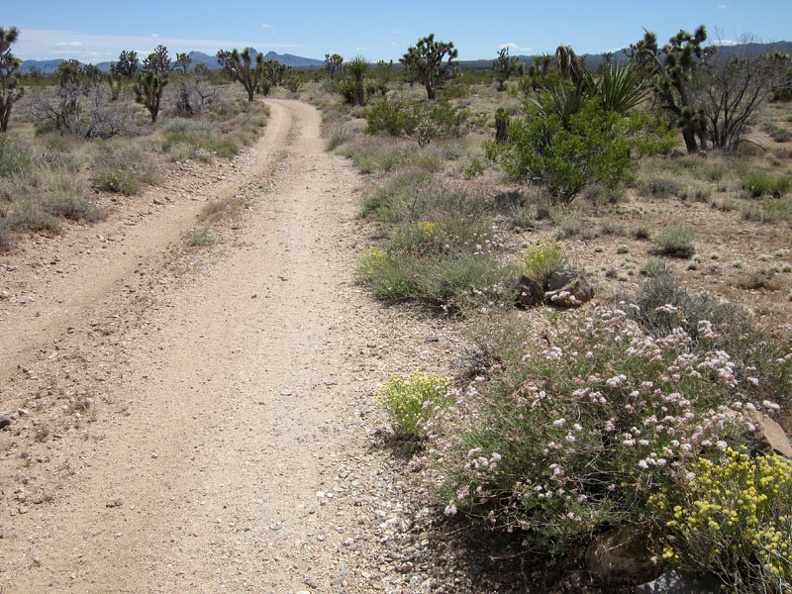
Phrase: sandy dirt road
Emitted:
{"points": [[232, 449]]}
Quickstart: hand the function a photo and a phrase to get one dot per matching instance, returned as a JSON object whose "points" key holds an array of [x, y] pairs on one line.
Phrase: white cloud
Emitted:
{"points": [[513, 47], [723, 7], [45, 44]]}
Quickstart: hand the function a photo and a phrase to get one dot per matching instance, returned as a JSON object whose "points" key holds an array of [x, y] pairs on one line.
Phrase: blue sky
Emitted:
{"points": [[95, 32]]}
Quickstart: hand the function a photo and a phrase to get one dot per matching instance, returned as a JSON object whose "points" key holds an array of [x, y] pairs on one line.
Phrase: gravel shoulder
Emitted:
{"points": [[203, 422]]}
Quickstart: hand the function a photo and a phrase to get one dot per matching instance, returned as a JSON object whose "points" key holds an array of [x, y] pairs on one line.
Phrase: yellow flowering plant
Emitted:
{"points": [[412, 401], [732, 517]]}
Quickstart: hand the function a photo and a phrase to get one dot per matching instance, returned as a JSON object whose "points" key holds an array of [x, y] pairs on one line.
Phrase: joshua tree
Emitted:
{"points": [[333, 64], [183, 61], [127, 65], [10, 91], [423, 63], [240, 67], [671, 70], [504, 66], [158, 61], [148, 91]]}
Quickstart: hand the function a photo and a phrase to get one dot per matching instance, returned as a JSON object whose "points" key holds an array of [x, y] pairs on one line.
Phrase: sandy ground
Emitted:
{"points": [[201, 421]]}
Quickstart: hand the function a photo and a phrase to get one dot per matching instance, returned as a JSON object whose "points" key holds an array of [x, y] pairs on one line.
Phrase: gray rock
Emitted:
{"points": [[675, 582], [5, 421], [530, 293]]}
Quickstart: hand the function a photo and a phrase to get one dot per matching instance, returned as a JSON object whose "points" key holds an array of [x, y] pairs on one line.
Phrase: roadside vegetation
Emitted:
{"points": [[575, 225], [78, 140], [613, 240]]}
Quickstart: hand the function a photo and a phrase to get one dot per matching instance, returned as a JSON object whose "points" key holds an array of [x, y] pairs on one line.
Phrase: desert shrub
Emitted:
{"points": [[566, 143], [74, 208], [201, 237], [541, 262], [390, 276], [654, 267], [439, 249], [338, 136], [660, 187], [759, 184], [197, 138], [731, 516], [389, 201], [769, 210], [420, 121], [117, 181], [124, 167], [13, 160], [6, 239], [578, 432], [675, 242], [375, 155], [412, 401]]}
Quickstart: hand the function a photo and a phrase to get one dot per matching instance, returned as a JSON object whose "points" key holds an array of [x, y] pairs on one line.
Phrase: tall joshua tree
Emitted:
{"points": [[672, 69], [423, 63], [10, 91], [241, 68]]}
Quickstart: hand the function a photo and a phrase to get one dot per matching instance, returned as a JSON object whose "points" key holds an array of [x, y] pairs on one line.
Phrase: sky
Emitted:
{"points": [[95, 32]]}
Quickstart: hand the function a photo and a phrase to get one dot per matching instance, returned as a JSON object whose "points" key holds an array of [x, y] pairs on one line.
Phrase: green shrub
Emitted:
{"points": [[421, 121], [763, 184], [675, 242], [413, 400], [731, 517], [198, 138], [543, 261], [391, 276], [566, 143]]}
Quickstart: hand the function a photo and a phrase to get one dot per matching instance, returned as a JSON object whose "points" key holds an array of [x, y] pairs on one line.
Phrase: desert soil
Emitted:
{"points": [[201, 419]]}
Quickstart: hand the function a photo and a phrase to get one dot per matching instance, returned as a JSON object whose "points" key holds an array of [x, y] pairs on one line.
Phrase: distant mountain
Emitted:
{"points": [[592, 60], [51, 66]]}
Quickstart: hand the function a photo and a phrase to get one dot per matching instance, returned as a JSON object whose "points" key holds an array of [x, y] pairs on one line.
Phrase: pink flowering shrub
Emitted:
{"points": [[578, 434]]}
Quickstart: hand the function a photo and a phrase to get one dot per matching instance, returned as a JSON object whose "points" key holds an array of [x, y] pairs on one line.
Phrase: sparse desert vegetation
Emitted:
{"points": [[612, 242]]}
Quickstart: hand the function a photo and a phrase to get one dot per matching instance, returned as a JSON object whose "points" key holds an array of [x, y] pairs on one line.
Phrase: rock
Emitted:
{"points": [[5, 421], [621, 555], [573, 294], [558, 280], [674, 582], [530, 293], [770, 436]]}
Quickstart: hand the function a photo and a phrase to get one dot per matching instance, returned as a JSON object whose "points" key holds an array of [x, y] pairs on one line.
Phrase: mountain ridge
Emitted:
{"points": [[592, 60]]}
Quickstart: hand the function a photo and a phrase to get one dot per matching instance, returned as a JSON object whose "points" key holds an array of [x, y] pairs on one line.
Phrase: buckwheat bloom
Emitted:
{"points": [[570, 438], [450, 509], [559, 422]]}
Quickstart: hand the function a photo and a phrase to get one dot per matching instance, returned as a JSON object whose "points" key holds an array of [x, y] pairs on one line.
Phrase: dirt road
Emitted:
{"points": [[217, 432]]}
